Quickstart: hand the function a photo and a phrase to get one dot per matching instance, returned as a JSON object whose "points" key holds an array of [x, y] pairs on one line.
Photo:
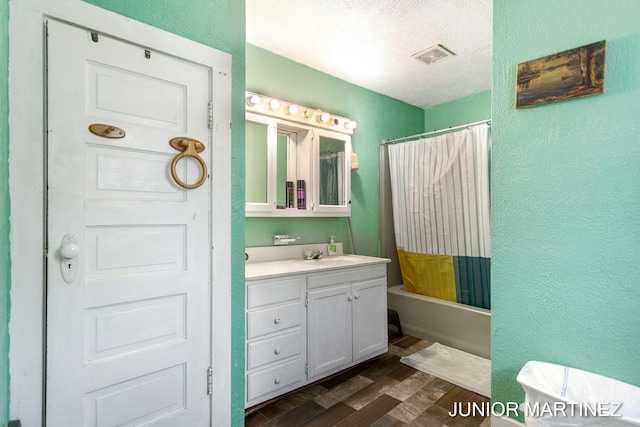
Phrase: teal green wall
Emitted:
{"points": [[469, 109], [4, 214], [565, 199], [219, 24], [564, 181], [379, 117]]}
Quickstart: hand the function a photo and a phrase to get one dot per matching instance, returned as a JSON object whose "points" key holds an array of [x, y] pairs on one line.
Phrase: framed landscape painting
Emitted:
{"points": [[569, 74]]}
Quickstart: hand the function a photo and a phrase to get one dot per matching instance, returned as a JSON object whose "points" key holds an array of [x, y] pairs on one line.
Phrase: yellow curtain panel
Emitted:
{"points": [[430, 275]]}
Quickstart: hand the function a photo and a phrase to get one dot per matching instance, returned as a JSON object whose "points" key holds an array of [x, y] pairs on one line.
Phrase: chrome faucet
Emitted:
{"points": [[309, 254]]}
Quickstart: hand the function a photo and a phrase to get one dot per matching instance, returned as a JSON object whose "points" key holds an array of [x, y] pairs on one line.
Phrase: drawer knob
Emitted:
{"points": [[277, 380], [276, 320], [349, 298], [277, 350], [356, 296]]}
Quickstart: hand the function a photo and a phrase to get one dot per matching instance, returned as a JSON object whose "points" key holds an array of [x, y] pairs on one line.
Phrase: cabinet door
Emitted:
{"points": [[329, 323], [369, 317], [260, 164], [332, 173]]}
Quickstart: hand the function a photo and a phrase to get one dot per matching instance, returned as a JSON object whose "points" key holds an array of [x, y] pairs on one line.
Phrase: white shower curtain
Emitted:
{"points": [[440, 194]]}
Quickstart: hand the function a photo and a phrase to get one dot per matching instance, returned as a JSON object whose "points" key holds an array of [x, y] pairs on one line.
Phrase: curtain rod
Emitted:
{"points": [[420, 135]]}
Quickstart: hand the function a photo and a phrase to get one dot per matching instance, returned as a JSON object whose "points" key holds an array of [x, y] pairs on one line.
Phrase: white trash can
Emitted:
{"points": [[558, 396]]}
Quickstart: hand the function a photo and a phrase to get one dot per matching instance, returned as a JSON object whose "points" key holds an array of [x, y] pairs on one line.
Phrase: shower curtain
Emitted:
{"points": [[440, 195]]}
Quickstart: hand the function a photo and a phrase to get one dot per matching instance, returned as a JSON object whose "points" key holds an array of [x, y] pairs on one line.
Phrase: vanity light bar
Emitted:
{"points": [[297, 113]]}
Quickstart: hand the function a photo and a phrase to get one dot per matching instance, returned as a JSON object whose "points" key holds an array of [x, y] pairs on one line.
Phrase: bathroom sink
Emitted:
{"points": [[284, 260]]}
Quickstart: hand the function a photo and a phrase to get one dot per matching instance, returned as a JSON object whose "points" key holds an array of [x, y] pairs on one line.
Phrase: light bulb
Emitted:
{"points": [[292, 109], [274, 104], [350, 125], [253, 99], [324, 117]]}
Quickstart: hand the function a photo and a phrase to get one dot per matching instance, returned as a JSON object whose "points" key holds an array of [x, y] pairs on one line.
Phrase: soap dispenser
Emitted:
{"points": [[332, 246]]}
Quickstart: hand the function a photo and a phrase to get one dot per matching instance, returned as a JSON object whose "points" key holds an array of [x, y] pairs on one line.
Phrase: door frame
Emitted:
{"points": [[27, 172]]}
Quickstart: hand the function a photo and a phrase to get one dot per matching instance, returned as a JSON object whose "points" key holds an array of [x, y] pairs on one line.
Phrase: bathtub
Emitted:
{"points": [[457, 325]]}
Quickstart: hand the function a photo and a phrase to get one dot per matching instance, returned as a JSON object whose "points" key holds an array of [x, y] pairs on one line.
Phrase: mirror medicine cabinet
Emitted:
{"points": [[298, 160]]}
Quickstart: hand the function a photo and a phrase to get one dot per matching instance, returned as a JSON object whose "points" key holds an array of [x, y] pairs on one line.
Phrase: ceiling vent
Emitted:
{"points": [[433, 54]]}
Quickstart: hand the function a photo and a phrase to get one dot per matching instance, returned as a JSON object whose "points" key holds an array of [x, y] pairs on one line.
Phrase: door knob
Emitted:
{"points": [[69, 250]]}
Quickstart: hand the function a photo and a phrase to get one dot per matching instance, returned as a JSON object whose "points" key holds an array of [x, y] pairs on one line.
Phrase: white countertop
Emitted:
{"points": [[264, 269]]}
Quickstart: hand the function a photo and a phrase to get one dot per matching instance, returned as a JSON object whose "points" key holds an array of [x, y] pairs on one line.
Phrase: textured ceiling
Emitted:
{"points": [[370, 43]]}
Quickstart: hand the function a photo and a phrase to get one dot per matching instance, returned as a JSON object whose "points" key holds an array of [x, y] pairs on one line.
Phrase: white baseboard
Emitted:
{"points": [[504, 422]]}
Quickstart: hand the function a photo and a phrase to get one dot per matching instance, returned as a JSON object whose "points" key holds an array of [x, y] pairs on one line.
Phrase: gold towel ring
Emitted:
{"points": [[190, 148]]}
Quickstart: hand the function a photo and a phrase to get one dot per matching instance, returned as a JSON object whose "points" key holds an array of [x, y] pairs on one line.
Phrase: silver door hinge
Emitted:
{"points": [[306, 368], [210, 114], [209, 381], [306, 302]]}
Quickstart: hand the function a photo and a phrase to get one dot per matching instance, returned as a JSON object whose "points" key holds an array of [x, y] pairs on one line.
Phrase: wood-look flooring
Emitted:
{"points": [[382, 392]]}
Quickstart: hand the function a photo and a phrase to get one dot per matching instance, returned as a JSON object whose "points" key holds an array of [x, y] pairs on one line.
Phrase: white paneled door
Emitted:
{"points": [[128, 251]]}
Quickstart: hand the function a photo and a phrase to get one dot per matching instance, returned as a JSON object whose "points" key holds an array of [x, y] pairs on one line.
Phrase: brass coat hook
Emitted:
{"points": [[106, 131]]}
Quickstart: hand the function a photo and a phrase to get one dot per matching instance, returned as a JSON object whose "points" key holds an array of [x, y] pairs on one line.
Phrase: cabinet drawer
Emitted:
{"points": [[273, 319], [273, 349], [263, 293], [347, 276], [272, 379]]}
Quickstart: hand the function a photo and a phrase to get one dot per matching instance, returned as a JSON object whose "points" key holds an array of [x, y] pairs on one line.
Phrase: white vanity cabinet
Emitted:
{"points": [[347, 318], [308, 319]]}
